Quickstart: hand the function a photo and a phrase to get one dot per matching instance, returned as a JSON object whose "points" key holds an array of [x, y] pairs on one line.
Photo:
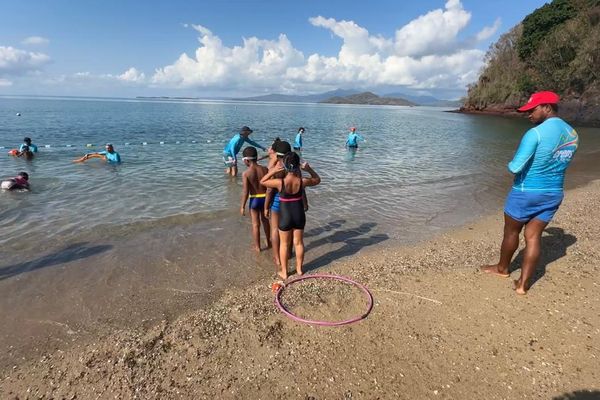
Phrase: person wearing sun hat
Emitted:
{"points": [[539, 166], [233, 148]]}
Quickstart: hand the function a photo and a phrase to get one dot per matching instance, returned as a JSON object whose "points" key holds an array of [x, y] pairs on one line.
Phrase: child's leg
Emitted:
{"points": [[255, 215], [284, 252], [299, 247], [267, 227], [275, 237]]}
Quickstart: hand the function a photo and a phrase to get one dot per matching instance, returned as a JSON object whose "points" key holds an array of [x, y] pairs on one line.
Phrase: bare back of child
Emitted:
{"points": [[254, 193]]}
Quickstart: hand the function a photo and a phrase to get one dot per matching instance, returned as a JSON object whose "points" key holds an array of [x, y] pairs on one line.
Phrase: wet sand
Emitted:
{"points": [[439, 329]]}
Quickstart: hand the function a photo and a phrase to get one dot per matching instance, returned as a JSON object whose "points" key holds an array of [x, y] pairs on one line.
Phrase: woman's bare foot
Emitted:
{"points": [[494, 270], [519, 289], [282, 275], [299, 272], [256, 248]]}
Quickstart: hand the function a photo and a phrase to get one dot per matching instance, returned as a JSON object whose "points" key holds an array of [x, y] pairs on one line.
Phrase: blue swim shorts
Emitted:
{"points": [[257, 203], [525, 206], [275, 203]]}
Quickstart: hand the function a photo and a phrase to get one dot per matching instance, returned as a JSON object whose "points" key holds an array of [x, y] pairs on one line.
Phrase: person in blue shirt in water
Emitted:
{"points": [[109, 155], [353, 139], [233, 148], [539, 166], [298, 141], [28, 145]]}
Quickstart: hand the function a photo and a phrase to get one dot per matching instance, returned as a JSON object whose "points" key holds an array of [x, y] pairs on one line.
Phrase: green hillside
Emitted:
{"points": [[557, 47]]}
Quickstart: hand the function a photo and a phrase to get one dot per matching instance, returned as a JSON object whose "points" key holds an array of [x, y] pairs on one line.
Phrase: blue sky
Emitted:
{"points": [[233, 48]]}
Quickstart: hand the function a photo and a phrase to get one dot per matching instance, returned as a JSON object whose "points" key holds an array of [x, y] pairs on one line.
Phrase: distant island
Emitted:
{"points": [[338, 96], [370, 99], [403, 99]]}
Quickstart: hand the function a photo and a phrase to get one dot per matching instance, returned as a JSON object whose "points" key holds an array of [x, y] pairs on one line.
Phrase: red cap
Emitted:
{"points": [[353, 129], [540, 98]]}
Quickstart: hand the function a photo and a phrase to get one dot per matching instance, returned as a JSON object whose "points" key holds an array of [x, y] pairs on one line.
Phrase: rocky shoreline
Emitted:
{"points": [[574, 111]]}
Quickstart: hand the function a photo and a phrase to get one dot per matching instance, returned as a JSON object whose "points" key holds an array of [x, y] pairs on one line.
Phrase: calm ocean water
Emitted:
{"points": [[97, 247], [420, 170]]}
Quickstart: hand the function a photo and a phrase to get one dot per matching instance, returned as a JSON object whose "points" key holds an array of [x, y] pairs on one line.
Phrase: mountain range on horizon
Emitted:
{"points": [[322, 97]]}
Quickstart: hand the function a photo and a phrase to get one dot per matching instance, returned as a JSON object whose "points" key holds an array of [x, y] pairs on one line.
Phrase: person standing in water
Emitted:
{"points": [[253, 190], [233, 148], [353, 139], [539, 166], [28, 145], [292, 217], [298, 141]]}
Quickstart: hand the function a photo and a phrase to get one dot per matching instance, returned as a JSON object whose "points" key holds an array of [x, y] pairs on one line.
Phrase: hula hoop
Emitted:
{"points": [[324, 323]]}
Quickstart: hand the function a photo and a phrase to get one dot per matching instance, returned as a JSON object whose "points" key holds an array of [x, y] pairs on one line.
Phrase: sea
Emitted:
{"points": [[96, 245]]}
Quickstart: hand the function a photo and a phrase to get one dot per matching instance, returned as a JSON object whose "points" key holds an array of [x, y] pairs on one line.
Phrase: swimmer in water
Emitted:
{"points": [[292, 218], [233, 148], [353, 139], [27, 144], [21, 181], [109, 155], [25, 152], [253, 190]]}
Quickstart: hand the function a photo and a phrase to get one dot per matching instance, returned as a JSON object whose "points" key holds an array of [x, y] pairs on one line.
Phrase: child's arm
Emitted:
{"points": [[245, 192], [304, 199], [268, 201], [269, 182], [314, 179]]}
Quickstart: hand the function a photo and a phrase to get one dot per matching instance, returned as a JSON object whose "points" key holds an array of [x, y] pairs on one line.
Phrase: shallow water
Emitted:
{"points": [[165, 223], [419, 167]]}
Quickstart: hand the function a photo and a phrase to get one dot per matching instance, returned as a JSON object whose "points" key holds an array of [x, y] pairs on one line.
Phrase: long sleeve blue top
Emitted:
{"points": [[543, 156], [235, 145]]}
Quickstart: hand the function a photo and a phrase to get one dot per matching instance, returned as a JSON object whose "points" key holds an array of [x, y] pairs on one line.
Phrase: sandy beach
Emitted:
{"points": [[438, 329]]}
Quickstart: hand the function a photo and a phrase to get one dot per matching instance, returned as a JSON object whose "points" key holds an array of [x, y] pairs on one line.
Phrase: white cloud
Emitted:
{"points": [[425, 53], [433, 32], [5, 83], [257, 62], [35, 40], [132, 75], [488, 31], [16, 61]]}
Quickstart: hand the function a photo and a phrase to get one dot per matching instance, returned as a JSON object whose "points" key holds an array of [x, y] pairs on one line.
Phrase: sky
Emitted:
{"points": [[232, 48]]}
